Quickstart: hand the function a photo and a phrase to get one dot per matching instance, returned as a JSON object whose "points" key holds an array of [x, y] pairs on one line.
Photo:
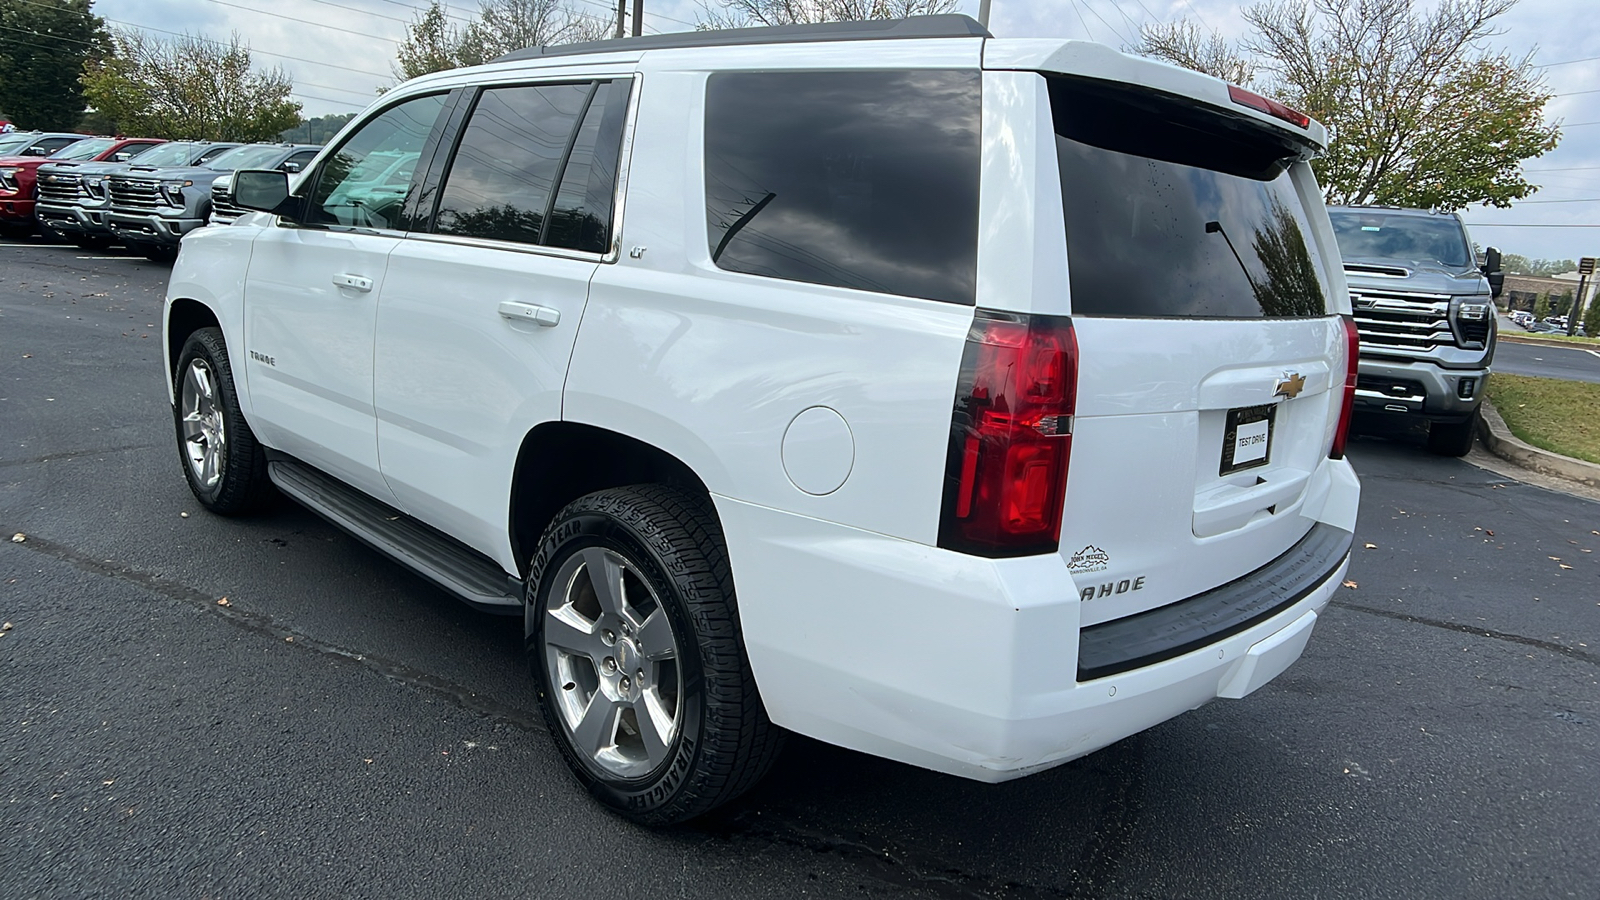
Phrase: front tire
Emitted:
{"points": [[224, 465], [634, 638], [1451, 438]]}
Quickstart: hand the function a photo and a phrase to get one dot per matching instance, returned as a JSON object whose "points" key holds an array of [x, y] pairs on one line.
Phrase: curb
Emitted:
{"points": [[1546, 342], [1502, 443]]}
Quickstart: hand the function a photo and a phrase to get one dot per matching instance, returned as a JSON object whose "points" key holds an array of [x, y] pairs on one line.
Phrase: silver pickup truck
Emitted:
{"points": [[1425, 311]]}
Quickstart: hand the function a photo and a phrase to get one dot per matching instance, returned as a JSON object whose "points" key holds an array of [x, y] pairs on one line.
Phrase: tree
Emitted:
{"points": [[1541, 307], [1181, 42], [433, 43], [189, 87], [746, 13], [1591, 313], [43, 47], [319, 130], [1417, 112], [1517, 264]]}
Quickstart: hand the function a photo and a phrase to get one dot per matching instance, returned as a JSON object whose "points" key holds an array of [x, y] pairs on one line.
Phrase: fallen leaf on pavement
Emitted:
{"points": [[1372, 546], [1565, 566], [5, 627], [1350, 584], [18, 538], [224, 602]]}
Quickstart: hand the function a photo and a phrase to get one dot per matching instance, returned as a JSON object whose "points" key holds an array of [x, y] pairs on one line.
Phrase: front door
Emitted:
{"points": [[478, 317], [311, 298]]}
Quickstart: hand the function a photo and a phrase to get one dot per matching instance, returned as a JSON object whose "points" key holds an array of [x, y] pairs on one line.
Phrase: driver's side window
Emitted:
{"points": [[350, 188]]}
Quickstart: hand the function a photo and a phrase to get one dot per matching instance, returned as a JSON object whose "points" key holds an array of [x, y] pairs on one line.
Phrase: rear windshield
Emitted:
{"points": [[1175, 210], [1366, 234]]}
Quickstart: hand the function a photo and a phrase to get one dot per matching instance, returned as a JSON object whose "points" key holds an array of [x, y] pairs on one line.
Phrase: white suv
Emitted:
{"points": [[974, 403]]}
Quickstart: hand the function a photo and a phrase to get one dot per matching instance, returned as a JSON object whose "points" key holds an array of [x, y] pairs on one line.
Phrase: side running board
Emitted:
{"points": [[436, 556]]}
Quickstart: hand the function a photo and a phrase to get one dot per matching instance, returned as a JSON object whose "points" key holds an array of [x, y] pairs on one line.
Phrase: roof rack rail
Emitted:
{"points": [[943, 26]]}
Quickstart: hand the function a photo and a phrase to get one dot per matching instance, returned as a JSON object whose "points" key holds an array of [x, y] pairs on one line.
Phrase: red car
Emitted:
{"points": [[19, 171]]}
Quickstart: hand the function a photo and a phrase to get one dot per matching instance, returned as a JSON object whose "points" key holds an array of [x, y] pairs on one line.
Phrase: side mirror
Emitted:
{"points": [[122, 156], [264, 191], [36, 151], [1493, 272], [291, 167]]}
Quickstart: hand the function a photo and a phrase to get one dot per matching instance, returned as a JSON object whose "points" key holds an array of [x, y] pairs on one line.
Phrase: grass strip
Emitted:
{"points": [[1559, 416]]}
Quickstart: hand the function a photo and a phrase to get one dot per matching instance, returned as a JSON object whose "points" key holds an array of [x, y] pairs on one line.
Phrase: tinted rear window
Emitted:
{"points": [[865, 179], [1174, 210]]}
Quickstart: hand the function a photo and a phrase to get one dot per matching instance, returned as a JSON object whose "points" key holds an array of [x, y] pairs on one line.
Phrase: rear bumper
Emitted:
{"points": [[74, 219], [971, 666], [1419, 389], [150, 228]]}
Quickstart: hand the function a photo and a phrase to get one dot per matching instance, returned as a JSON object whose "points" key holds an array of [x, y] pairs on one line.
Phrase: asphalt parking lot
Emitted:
{"points": [[340, 728], [1568, 363]]}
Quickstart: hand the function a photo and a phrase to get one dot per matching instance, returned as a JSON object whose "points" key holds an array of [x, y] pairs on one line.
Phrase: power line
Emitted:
{"points": [[1567, 62], [1584, 200], [1528, 225], [365, 34], [1565, 169]]}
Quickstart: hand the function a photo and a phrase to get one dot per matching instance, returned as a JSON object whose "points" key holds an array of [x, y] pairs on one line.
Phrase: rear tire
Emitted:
{"points": [[1452, 438], [634, 638]]}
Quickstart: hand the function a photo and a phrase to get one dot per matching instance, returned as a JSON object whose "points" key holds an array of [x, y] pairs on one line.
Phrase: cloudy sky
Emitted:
{"points": [[340, 51]]}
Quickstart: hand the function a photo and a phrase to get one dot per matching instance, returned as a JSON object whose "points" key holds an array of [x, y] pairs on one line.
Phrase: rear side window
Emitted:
{"points": [[537, 164], [860, 179], [1176, 210]]}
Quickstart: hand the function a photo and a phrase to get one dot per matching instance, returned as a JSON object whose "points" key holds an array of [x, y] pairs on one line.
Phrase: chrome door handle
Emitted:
{"points": [[353, 282], [528, 312]]}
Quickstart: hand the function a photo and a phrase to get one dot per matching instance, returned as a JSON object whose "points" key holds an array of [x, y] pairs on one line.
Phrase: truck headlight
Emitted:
{"points": [[95, 186], [1473, 312], [8, 178], [173, 191]]}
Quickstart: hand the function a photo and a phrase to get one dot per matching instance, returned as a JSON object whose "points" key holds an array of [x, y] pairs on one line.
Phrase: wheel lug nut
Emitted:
{"points": [[626, 685], [609, 636], [610, 664], [641, 676]]}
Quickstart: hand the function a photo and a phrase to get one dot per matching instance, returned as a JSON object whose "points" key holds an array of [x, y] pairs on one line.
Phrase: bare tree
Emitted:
{"points": [[745, 13], [434, 43], [1419, 112], [1183, 43]]}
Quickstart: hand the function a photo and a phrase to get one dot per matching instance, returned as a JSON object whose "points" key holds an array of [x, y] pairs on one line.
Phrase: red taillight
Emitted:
{"points": [[1351, 370], [1271, 107], [1011, 436]]}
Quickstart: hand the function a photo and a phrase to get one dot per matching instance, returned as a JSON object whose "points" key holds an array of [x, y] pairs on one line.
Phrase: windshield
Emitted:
{"points": [[1176, 211], [85, 149], [1368, 234], [10, 146], [176, 154], [246, 158]]}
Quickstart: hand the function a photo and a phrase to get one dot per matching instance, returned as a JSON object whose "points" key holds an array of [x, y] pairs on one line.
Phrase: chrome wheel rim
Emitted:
{"points": [[205, 434], [612, 664]]}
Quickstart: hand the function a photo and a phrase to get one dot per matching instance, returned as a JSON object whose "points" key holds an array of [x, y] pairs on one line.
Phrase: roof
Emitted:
{"points": [[916, 27]]}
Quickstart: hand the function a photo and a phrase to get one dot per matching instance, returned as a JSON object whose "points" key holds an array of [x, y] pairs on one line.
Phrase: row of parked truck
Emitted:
{"points": [[143, 193]]}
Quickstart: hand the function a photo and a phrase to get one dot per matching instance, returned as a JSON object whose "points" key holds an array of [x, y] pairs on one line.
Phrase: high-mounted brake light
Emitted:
{"points": [[1011, 436], [1351, 371], [1271, 107]]}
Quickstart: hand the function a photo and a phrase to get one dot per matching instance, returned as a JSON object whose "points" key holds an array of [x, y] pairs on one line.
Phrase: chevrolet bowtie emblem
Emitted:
{"points": [[1291, 385]]}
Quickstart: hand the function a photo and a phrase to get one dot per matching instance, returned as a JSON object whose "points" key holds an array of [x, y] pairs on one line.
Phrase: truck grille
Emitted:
{"points": [[128, 193], [60, 188], [223, 209], [1402, 321]]}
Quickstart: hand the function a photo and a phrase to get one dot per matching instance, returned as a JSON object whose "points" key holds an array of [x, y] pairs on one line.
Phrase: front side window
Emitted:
{"points": [[212, 153], [857, 179], [51, 145], [351, 189], [504, 172], [1175, 210]]}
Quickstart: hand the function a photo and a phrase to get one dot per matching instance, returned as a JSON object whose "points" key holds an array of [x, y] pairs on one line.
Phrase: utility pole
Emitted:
{"points": [[983, 13], [638, 17], [1585, 271], [622, 17]]}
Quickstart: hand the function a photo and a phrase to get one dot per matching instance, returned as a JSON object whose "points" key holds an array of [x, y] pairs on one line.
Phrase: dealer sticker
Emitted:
{"points": [[1250, 442]]}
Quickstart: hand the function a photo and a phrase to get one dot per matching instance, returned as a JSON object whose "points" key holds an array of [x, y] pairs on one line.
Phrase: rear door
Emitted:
{"points": [[1209, 347], [479, 313]]}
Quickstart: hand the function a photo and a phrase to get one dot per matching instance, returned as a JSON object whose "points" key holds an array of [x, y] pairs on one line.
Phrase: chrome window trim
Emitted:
{"points": [[514, 246], [624, 167]]}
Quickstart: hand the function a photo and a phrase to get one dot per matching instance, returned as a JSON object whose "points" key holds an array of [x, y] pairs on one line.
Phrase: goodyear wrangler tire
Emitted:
{"points": [[634, 639], [224, 465]]}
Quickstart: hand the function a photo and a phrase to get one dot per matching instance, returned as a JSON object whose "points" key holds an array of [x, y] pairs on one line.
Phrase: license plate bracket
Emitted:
{"points": [[1247, 438]]}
